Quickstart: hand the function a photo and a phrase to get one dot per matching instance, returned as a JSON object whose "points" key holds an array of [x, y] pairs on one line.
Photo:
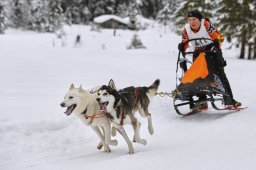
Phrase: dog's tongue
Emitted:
{"points": [[69, 110], [103, 107]]}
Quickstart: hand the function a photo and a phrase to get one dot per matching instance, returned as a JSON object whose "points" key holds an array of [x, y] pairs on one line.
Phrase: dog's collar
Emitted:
{"points": [[84, 112]]}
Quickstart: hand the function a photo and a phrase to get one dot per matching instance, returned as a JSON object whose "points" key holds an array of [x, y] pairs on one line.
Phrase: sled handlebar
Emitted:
{"points": [[194, 39], [192, 52]]}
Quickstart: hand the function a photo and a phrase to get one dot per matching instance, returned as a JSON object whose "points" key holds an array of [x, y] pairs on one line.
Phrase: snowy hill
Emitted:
{"points": [[35, 133]]}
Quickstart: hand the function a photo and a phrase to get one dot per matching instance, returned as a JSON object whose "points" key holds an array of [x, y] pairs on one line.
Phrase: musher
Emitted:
{"points": [[197, 27]]}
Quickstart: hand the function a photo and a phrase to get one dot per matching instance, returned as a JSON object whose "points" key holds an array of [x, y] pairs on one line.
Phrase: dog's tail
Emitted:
{"points": [[152, 89]]}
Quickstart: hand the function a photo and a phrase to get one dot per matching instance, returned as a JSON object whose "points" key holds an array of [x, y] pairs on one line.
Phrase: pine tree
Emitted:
{"points": [[228, 20], [237, 23], [253, 27], [20, 13], [68, 16], [39, 21], [55, 15], [173, 4], [76, 12], [244, 29], [122, 8], [136, 42], [17, 14], [254, 47], [118, 7], [134, 10], [148, 8], [164, 16], [3, 18], [98, 8]]}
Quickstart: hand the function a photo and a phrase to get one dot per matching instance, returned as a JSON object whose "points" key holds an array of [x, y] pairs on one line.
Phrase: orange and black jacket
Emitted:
{"points": [[212, 31]]}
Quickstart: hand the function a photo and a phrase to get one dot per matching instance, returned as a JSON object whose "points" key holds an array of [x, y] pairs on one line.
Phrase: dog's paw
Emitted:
{"points": [[114, 142], [100, 146], [131, 151], [134, 140], [142, 141], [107, 149], [151, 130]]}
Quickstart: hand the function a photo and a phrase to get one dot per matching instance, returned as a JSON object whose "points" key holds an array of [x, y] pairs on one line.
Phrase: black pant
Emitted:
{"points": [[221, 64]]}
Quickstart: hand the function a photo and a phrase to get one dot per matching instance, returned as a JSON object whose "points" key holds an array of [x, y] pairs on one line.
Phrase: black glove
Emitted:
{"points": [[181, 47], [183, 65], [216, 43]]}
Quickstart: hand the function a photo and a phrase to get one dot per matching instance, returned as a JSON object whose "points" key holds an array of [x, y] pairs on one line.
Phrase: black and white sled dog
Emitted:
{"points": [[83, 104], [120, 107]]}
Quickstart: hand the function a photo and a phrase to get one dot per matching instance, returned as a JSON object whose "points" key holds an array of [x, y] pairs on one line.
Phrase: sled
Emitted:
{"points": [[203, 77]]}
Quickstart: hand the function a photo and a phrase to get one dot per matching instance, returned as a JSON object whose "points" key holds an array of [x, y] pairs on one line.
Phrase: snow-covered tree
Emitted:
{"points": [[165, 15], [86, 15], [173, 4], [3, 18], [68, 16], [97, 8], [76, 12], [20, 15], [245, 28], [253, 7], [120, 7], [136, 42], [16, 14], [252, 28], [237, 22], [55, 15], [149, 8], [228, 20], [39, 16], [133, 11]]}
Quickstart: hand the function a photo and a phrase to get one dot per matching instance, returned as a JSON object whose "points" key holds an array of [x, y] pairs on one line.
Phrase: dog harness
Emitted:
{"points": [[136, 93], [105, 112], [95, 115], [134, 103]]}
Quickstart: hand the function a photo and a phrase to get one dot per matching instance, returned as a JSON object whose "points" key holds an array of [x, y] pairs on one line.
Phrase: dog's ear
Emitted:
{"points": [[71, 86], [80, 88], [111, 84]]}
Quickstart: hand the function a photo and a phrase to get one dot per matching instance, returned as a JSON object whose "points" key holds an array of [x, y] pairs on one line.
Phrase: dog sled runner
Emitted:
{"points": [[202, 77]]}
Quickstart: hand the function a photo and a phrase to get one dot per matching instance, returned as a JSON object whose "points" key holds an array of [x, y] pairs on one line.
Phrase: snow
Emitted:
{"points": [[104, 18], [35, 134]]}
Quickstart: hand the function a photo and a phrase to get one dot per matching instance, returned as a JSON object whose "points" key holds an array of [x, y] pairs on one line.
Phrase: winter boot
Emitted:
{"points": [[233, 104]]}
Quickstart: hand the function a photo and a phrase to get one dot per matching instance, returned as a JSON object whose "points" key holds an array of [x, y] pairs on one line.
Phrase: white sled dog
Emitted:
{"points": [[120, 107], [81, 103]]}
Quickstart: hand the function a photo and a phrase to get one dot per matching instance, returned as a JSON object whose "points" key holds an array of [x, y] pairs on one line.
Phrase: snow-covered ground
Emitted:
{"points": [[36, 134]]}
